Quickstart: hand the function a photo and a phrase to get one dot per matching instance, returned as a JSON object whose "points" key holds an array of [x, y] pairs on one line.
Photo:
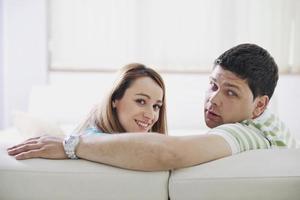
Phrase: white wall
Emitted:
{"points": [[1, 66], [24, 52], [288, 99]]}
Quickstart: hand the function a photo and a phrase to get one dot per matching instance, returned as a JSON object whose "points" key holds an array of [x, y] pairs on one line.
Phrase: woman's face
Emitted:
{"points": [[138, 109]]}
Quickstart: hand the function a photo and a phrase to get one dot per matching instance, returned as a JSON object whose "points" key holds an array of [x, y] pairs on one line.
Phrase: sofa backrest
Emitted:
{"points": [[69, 97]]}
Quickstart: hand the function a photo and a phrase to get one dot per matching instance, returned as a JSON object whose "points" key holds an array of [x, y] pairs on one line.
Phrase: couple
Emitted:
{"points": [[241, 84]]}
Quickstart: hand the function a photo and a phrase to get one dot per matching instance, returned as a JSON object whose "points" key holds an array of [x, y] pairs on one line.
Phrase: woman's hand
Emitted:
{"points": [[39, 147]]}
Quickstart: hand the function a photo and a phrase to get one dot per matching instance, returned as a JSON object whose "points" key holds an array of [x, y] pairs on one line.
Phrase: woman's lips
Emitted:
{"points": [[143, 125]]}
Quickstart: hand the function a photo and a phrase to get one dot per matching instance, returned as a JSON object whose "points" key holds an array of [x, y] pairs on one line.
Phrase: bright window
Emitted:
{"points": [[171, 35]]}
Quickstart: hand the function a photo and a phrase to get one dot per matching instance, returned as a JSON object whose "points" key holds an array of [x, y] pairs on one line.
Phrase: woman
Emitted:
{"points": [[136, 103]]}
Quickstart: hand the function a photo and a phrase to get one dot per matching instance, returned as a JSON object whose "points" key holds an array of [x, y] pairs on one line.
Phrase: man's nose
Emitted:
{"points": [[215, 98]]}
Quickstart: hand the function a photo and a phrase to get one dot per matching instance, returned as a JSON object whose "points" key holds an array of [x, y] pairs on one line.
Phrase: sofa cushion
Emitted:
{"points": [[75, 179], [31, 126], [260, 174]]}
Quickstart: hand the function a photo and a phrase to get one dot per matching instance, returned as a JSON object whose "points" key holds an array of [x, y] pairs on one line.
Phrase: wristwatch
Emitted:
{"points": [[70, 143]]}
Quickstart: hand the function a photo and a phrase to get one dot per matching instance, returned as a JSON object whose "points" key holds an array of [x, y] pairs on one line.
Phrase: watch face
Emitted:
{"points": [[70, 144], [72, 140]]}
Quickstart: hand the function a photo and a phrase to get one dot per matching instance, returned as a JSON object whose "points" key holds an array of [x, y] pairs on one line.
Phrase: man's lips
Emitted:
{"points": [[212, 115]]}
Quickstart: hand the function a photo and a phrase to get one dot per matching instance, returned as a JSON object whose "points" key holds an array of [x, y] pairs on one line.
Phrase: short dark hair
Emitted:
{"points": [[254, 64]]}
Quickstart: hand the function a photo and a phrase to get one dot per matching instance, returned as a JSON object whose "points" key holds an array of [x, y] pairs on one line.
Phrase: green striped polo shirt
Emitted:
{"points": [[264, 132]]}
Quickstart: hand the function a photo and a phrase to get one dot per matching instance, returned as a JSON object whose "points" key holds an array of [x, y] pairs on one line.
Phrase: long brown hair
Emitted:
{"points": [[104, 116]]}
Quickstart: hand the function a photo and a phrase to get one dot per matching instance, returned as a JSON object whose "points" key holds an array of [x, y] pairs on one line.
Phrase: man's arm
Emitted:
{"points": [[137, 151], [152, 152]]}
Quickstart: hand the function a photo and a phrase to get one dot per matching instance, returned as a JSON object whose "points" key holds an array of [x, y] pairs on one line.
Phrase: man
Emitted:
{"points": [[241, 84]]}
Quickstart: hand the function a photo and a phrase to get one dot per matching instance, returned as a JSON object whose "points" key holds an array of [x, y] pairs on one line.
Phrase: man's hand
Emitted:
{"points": [[39, 147]]}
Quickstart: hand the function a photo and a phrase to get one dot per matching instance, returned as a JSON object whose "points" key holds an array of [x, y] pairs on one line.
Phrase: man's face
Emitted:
{"points": [[228, 99]]}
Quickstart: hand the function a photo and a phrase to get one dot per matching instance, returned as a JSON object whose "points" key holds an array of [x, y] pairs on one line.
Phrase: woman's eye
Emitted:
{"points": [[157, 107], [141, 101]]}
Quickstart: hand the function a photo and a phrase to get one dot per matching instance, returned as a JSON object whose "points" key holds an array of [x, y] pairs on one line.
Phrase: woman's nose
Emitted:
{"points": [[149, 113]]}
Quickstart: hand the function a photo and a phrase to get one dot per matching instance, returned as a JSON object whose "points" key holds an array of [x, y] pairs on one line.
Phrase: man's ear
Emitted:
{"points": [[260, 105]]}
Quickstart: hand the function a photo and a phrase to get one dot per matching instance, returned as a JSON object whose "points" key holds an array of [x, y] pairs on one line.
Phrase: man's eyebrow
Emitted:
{"points": [[226, 84], [148, 96], [232, 85], [212, 78]]}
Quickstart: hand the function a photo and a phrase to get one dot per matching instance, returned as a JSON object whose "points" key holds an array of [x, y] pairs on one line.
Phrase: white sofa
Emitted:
{"points": [[75, 179], [260, 174]]}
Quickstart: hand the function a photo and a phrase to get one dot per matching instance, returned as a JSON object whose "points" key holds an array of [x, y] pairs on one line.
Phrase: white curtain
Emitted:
{"points": [[171, 35]]}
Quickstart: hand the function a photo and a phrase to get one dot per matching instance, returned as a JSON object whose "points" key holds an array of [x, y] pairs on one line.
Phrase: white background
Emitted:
{"points": [[24, 63]]}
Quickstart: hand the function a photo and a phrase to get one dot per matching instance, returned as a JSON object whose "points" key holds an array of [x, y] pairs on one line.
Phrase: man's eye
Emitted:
{"points": [[141, 101], [231, 93], [213, 86]]}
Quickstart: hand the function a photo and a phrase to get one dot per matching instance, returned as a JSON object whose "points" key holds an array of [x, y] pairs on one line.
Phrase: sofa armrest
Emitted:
{"points": [[258, 174], [76, 179]]}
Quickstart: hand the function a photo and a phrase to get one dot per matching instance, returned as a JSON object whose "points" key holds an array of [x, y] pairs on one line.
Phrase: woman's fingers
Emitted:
{"points": [[29, 141], [23, 148], [33, 139], [36, 153], [39, 147]]}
